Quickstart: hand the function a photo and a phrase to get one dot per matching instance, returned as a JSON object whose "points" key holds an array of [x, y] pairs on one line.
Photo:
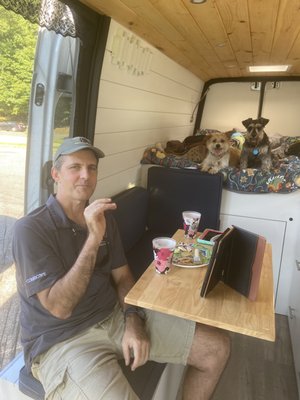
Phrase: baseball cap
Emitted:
{"points": [[71, 145]]}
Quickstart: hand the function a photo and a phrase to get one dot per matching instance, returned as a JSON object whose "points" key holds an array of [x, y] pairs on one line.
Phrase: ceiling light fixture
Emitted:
{"points": [[198, 1], [268, 68]]}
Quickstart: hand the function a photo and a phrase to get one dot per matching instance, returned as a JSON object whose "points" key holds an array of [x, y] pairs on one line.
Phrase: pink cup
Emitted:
{"points": [[163, 248], [191, 220]]}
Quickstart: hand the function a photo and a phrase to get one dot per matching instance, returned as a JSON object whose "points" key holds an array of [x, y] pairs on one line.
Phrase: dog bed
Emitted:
{"points": [[284, 177]]}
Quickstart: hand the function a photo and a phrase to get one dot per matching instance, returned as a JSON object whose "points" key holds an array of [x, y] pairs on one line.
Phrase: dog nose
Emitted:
{"points": [[218, 145]]}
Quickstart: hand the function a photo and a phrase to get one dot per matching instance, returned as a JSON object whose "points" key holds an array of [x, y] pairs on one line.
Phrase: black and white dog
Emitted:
{"points": [[256, 152]]}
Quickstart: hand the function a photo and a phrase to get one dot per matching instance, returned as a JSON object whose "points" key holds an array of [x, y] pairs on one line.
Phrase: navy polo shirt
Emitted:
{"points": [[46, 244]]}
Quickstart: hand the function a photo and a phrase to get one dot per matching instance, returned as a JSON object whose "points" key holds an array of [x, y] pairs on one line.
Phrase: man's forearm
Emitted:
{"points": [[124, 281], [65, 294]]}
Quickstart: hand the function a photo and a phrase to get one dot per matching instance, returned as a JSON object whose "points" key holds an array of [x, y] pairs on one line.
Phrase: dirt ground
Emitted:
{"points": [[12, 178], [12, 173]]}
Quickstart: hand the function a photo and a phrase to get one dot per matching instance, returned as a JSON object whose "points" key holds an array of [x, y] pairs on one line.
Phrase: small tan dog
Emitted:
{"points": [[220, 153]]}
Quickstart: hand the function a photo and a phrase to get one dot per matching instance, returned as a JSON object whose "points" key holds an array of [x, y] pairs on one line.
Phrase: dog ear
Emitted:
{"points": [[229, 133], [247, 122], [263, 121]]}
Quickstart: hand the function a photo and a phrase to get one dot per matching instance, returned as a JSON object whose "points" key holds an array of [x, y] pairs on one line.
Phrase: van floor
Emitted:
{"points": [[257, 369]]}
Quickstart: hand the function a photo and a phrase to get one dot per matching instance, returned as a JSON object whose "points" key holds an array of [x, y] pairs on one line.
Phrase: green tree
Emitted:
{"points": [[17, 47]]}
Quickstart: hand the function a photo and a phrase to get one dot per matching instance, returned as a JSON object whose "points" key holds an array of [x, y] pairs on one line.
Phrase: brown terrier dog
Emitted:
{"points": [[220, 154], [256, 152]]}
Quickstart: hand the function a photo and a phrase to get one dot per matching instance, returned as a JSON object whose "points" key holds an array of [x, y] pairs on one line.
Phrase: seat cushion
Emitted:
{"points": [[175, 190], [144, 379], [131, 215]]}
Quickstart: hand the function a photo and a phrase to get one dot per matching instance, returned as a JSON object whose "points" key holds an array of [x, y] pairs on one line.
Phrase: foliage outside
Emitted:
{"points": [[17, 48]]}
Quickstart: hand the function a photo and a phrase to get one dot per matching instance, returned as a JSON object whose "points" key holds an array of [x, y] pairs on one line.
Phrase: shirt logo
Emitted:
{"points": [[35, 277]]}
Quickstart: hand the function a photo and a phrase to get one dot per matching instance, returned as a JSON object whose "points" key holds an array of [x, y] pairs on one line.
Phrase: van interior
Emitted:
{"points": [[136, 77]]}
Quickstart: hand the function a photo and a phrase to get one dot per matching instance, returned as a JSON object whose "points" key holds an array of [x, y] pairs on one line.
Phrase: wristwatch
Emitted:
{"points": [[135, 310]]}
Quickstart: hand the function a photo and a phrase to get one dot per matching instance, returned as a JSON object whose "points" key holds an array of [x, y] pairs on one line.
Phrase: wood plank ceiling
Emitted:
{"points": [[216, 39]]}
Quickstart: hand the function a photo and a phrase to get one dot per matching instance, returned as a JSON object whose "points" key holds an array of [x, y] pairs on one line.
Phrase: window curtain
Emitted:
{"points": [[55, 15]]}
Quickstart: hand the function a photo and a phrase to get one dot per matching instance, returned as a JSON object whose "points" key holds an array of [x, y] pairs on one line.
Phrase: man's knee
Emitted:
{"points": [[210, 348], [222, 346]]}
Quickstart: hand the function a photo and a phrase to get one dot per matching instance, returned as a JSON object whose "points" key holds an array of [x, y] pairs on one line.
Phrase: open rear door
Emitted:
{"points": [[64, 94], [51, 110]]}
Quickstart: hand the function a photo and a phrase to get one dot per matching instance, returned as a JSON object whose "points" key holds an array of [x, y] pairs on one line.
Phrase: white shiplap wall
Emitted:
{"points": [[134, 112]]}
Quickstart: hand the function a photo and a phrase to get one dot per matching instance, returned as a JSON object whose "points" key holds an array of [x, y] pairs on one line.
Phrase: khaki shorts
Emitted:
{"points": [[86, 366]]}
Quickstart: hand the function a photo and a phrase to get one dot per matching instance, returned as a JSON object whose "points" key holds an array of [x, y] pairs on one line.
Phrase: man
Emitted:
{"points": [[74, 323]]}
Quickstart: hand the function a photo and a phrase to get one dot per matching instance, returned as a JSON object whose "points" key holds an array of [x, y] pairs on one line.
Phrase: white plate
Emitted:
{"points": [[190, 266], [183, 255]]}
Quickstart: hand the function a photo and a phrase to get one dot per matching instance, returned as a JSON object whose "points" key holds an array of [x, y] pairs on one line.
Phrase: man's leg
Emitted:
{"points": [[206, 361], [84, 367]]}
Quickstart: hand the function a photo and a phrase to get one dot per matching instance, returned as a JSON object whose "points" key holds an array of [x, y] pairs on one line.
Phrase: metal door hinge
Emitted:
{"points": [[39, 94], [298, 265]]}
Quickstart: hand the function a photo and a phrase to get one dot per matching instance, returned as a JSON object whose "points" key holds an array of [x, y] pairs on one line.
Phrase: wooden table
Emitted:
{"points": [[178, 293]]}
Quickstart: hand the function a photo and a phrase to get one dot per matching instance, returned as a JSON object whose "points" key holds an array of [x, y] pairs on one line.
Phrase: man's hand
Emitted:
{"points": [[135, 342], [95, 219]]}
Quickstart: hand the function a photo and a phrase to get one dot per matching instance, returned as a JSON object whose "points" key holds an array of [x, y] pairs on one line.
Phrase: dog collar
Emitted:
{"points": [[255, 151]]}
